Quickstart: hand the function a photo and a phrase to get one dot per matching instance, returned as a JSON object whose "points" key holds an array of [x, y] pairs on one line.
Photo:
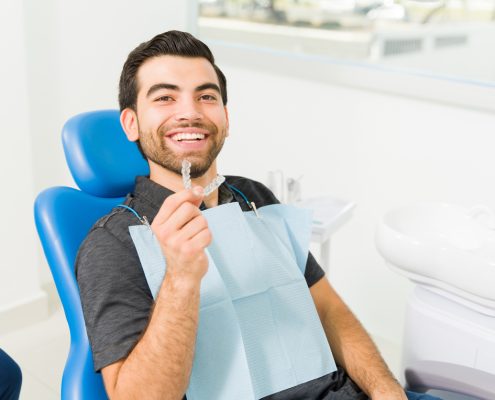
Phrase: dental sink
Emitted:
{"points": [[449, 333], [444, 247]]}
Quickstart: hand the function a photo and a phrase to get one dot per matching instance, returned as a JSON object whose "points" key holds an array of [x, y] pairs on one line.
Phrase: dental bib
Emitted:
{"points": [[259, 332]]}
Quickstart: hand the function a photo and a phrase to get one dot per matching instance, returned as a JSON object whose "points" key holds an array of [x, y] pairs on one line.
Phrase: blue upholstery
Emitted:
{"points": [[101, 159], [104, 165]]}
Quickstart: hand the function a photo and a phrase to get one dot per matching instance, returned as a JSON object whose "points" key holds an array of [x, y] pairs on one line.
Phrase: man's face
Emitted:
{"points": [[180, 113]]}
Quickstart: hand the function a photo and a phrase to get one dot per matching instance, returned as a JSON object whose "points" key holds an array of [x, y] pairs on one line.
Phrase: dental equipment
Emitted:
{"points": [[186, 179]]}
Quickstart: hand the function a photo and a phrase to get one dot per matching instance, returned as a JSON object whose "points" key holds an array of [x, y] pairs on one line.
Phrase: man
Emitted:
{"points": [[173, 104]]}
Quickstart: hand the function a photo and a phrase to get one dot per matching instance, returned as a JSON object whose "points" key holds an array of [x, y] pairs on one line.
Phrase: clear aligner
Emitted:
{"points": [[215, 183], [186, 179], [186, 174]]}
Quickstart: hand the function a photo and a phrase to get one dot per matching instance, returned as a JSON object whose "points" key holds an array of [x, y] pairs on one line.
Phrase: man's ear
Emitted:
{"points": [[129, 122], [227, 116]]}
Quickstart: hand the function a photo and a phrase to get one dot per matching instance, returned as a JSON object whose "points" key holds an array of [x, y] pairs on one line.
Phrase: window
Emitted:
{"points": [[445, 38]]}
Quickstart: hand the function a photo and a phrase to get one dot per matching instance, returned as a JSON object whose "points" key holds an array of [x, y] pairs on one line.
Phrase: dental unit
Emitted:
{"points": [[448, 251]]}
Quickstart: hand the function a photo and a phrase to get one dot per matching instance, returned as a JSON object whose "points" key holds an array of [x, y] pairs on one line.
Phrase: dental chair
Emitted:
{"points": [[448, 252], [103, 164]]}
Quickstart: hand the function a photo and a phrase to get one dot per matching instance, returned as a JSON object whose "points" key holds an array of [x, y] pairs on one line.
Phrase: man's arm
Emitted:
{"points": [[352, 347], [160, 364]]}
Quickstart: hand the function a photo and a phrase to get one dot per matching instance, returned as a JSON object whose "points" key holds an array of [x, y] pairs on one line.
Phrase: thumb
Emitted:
{"points": [[199, 194]]}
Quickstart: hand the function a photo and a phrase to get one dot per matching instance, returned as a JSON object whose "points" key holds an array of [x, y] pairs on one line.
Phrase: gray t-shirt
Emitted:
{"points": [[115, 296]]}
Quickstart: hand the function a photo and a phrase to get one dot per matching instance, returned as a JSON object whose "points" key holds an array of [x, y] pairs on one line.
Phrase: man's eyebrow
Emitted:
{"points": [[209, 85], [159, 86]]}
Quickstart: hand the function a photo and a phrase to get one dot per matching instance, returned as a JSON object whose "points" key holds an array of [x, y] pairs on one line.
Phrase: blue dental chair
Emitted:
{"points": [[104, 164]]}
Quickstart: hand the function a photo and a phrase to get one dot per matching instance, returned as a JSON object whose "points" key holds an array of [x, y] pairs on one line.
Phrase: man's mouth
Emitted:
{"points": [[187, 137]]}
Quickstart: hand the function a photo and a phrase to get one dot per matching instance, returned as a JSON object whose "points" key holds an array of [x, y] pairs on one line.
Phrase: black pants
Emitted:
{"points": [[10, 378]]}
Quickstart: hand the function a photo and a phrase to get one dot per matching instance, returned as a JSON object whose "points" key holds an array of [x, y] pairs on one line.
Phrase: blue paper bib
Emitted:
{"points": [[259, 332]]}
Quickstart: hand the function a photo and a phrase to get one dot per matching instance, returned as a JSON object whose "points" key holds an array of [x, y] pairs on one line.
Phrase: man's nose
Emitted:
{"points": [[188, 111]]}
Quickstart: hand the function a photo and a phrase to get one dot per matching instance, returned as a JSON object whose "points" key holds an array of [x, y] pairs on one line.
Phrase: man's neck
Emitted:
{"points": [[172, 181]]}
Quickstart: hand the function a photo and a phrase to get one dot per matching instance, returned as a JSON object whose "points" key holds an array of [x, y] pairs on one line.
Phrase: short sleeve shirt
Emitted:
{"points": [[115, 296]]}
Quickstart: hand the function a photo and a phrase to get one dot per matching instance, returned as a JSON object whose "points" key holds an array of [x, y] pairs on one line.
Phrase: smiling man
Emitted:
{"points": [[178, 112], [173, 101]]}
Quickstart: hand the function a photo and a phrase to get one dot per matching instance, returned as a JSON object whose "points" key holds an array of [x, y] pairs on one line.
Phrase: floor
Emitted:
{"points": [[41, 350]]}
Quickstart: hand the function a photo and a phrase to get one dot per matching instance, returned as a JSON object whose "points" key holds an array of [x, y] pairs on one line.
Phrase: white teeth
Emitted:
{"points": [[188, 136]]}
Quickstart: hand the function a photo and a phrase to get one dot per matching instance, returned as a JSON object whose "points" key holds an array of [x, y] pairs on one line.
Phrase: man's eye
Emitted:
{"points": [[208, 97], [164, 98]]}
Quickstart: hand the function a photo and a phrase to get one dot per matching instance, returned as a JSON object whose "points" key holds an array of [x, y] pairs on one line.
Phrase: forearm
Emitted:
{"points": [[160, 364], [354, 350], [351, 345]]}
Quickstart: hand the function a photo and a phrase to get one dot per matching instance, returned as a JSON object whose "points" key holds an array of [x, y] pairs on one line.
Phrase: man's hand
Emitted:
{"points": [[390, 391], [183, 234]]}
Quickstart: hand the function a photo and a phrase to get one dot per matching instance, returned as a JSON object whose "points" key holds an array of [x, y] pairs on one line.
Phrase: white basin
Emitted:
{"points": [[445, 247]]}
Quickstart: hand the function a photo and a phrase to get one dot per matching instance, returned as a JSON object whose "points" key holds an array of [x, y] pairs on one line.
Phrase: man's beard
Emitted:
{"points": [[155, 149]]}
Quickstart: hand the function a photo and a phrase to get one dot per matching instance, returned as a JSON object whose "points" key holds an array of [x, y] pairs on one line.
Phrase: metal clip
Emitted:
{"points": [[145, 221], [255, 209]]}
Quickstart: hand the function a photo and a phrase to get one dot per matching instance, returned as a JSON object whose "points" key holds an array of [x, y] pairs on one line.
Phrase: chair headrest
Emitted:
{"points": [[101, 159]]}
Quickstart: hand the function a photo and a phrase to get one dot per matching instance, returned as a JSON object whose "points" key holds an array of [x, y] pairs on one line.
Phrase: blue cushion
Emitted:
{"points": [[101, 159]]}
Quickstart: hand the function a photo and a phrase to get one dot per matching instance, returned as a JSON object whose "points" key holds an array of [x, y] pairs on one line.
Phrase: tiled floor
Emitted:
{"points": [[41, 350]]}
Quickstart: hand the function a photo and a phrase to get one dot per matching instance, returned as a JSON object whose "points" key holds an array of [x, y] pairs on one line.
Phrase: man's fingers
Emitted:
{"points": [[201, 240], [191, 247], [182, 215], [192, 228], [174, 201]]}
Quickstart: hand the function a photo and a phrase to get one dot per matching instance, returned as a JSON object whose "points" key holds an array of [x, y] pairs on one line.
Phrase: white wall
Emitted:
{"points": [[379, 150], [18, 266], [59, 58]]}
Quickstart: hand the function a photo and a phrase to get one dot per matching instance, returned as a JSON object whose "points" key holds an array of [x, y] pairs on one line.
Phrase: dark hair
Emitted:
{"points": [[174, 43]]}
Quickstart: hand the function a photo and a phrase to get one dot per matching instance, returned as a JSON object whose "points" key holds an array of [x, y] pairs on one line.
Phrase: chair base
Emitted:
{"points": [[448, 346]]}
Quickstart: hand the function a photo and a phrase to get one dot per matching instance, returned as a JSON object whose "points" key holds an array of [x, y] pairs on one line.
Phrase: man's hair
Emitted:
{"points": [[171, 43]]}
